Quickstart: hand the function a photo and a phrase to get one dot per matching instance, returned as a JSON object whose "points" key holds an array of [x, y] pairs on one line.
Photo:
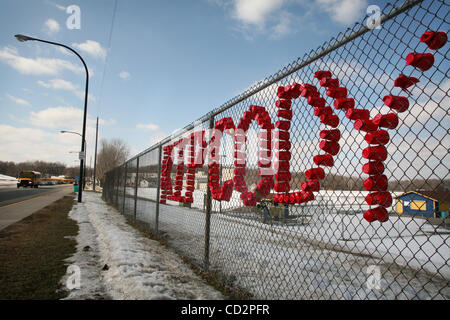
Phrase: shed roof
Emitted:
{"points": [[440, 196]]}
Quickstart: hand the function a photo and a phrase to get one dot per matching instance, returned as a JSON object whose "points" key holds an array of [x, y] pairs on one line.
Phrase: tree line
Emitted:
{"points": [[112, 153]]}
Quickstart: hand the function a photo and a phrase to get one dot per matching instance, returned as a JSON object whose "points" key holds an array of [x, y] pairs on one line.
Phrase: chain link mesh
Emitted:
{"points": [[322, 249]]}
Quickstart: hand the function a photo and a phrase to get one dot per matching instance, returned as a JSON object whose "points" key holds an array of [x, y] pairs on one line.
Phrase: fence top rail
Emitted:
{"points": [[340, 40]]}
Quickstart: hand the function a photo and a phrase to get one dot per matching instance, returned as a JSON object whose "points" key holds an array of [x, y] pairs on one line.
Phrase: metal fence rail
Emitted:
{"points": [[284, 231]]}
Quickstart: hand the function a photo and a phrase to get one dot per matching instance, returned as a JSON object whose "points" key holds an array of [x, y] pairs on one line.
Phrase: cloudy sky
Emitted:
{"points": [[166, 64]]}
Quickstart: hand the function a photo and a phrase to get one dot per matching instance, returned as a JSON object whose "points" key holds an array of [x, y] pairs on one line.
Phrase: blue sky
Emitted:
{"points": [[168, 63]]}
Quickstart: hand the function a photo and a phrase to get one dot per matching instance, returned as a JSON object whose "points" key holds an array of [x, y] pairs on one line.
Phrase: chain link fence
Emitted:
{"points": [[258, 209]]}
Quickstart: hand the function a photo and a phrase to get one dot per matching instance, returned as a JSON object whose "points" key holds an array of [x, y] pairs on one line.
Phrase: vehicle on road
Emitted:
{"points": [[30, 179]]}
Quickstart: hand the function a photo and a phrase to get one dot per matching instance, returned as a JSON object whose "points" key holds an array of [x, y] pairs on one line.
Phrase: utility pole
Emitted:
{"points": [[95, 156]]}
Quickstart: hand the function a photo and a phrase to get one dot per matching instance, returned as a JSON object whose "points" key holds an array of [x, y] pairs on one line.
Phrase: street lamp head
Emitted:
{"points": [[22, 38]]}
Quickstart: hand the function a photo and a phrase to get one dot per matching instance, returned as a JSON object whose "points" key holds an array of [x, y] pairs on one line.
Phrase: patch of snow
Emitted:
{"points": [[138, 267], [327, 256]]}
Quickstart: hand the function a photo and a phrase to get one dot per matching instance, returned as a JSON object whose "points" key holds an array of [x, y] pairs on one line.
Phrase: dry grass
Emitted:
{"points": [[32, 253]]}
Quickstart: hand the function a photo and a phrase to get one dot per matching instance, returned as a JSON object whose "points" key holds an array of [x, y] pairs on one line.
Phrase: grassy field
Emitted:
{"points": [[32, 253]]}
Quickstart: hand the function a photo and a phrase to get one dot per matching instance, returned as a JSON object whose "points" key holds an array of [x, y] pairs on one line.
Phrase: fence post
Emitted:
{"points": [[116, 187], [208, 210], [158, 190], [136, 187], [124, 187]]}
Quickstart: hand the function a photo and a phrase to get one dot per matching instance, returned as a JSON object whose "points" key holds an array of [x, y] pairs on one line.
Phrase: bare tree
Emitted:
{"points": [[112, 153]]}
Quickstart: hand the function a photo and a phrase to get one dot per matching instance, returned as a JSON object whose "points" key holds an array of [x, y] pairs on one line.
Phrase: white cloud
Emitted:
{"points": [[343, 11], [23, 144], [58, 84], [37, 66], [67, 118], [20, 101], [56, 5], [51, 26], [149, 126], [255, 12], [93, 48], [157, 137], [124, 75]]}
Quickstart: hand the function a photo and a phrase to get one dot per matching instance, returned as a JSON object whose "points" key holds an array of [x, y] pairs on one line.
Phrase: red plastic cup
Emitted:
{"points": [[397, 103], [315, 173], [286, 114], [322, 74], [331, 120], [373, 168], [328, 82], [307, 196], [337, 93], [282, 135], [256, 109], [404, 82], [324, 160], [434, 40], [316, 101], [389, 121], [376, 183], [378, 153], [282, 187], [283, 125], [378, 213], [284, 155], [286, 145], [344, 103], [281, 165], [267, 154], [331, 147], [357, 114], [377, 137], [332, 135], [283, 104], [365, 125], [309, 90], [383, 199], [423, 61], [323, 111], [283, 176], [281, 93], [296, 90], [239, 171], [264, 163], [370, 216], [311, 185]]}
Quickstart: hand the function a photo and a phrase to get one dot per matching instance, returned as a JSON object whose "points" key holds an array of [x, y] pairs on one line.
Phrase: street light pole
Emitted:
{"points": [[23, 38], [82, 181]]}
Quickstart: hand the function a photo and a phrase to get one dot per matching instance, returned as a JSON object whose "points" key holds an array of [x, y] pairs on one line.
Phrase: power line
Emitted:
{"points": [[107, 56]]}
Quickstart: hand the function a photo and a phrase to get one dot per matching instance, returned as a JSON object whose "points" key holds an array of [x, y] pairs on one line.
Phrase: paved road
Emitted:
{"points": [[13, 194], [18, 204]]}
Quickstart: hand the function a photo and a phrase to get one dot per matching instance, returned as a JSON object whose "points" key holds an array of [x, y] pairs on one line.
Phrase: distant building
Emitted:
{"points": [[432, 204]]}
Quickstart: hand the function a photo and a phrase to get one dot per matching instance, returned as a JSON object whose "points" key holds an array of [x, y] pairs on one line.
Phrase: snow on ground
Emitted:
{"points": [[138, 267], [327, 256]]}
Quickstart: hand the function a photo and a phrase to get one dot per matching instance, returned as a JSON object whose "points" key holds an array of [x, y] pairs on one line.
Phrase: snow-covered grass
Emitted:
{"points": [[327, 257], [138, 267]]}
